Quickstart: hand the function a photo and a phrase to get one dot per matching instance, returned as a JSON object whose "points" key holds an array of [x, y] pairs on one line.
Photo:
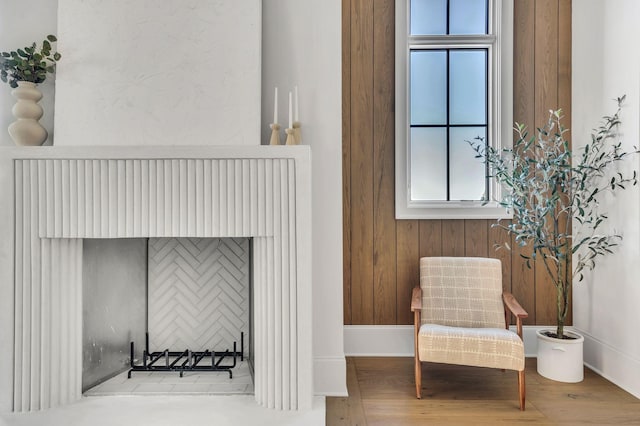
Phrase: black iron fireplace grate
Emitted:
{"points": [[187, 360]]}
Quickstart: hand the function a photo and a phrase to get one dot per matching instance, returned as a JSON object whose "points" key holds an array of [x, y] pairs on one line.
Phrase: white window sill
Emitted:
{"points": [[453, 210]]}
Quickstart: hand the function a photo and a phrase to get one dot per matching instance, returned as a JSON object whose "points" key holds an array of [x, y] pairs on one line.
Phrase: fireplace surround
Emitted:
{"points": [[54, 197]]}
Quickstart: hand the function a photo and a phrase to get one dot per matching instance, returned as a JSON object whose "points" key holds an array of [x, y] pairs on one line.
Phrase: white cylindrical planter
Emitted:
{"points": [[26, 130], [561, 359]]}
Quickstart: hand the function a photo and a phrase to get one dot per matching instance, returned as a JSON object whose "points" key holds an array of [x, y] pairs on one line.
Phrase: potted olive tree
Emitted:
{"points": [[23, 69], [548, 189]]}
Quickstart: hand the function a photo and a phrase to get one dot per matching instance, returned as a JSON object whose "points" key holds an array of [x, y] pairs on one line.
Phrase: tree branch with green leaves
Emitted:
{"points": [[548, 186]]}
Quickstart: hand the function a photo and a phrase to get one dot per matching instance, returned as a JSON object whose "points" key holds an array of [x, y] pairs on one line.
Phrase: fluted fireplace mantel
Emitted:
{"points": [[54, 197]]}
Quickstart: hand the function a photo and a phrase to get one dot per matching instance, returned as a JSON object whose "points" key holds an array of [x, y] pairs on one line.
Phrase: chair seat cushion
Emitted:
{"points": [[480, 347]]}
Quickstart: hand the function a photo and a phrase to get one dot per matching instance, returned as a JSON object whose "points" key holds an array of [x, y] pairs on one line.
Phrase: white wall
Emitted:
{"points": [[158, 73], [15, 34], [302, 46], [607, 65]]}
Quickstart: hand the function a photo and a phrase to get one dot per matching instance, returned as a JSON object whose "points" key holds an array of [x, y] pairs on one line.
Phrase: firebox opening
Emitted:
{"points": [[188, 294]]}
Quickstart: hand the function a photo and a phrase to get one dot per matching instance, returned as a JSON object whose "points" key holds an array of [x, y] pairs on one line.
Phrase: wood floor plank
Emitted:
{"points": [[338, 412], [381, 392], [409, 412], [347, 411], [591, 412]]}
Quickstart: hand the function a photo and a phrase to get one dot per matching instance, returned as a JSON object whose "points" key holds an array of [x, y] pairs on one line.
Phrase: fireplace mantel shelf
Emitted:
{"points": [[164, 152]]}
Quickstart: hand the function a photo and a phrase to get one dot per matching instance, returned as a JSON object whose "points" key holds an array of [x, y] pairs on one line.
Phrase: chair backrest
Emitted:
{"points": [[462, 292]]}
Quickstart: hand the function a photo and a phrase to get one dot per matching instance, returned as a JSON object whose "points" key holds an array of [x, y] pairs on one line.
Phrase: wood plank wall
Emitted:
{"points": [[381, 254]]}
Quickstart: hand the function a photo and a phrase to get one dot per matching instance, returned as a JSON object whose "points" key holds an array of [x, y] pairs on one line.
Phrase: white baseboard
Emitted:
{"points": [[397, 340], [378, 340], [613, 365], [330, 376]]}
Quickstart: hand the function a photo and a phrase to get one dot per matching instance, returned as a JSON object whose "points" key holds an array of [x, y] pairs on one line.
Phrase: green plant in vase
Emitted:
{"points": [[23, 69], [549, 187], [30, 63]]}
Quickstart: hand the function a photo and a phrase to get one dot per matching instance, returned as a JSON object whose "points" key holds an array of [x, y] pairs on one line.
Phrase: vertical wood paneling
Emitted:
{"points": [[453, 237], [564, 84], [430, 238], [346, 159], [497, 250], [523, 280], [564, 59], [408, 271], [475, 238], [384, 236], [523, 62], [546, 96], [542, 81], [524, 97], [362, 172], [546, 59]]}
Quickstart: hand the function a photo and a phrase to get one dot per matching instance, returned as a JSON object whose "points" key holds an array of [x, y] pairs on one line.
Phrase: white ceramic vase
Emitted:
{"points": [[26, 130], [561, 359]]}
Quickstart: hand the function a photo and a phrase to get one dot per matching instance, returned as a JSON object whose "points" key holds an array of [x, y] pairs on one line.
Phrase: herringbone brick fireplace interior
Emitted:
{"points": [[186, 293], [198, 292]]}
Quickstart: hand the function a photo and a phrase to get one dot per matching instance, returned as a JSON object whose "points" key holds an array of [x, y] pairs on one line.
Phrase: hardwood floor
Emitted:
{"points": [[382, 392]]}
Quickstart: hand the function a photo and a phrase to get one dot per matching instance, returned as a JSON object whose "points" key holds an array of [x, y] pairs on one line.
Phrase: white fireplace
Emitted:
{"points": [[55, 197]]}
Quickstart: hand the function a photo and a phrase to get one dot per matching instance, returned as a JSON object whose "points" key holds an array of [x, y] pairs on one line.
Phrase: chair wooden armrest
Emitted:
{"points": [[416, 299], [514, 307]]}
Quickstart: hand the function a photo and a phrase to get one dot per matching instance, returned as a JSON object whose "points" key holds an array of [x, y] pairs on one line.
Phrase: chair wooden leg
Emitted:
{"points": [[521, 389], [418, 374], [416, 354]]}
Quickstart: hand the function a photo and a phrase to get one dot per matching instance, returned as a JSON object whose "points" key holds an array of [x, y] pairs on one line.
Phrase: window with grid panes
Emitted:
{"points": [[453, 85]]}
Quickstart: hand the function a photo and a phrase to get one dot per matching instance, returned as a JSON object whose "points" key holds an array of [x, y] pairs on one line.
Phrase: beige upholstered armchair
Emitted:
{"points": [[460, 317]]}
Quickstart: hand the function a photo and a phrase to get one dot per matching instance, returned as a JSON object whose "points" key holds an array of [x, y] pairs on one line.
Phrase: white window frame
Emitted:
{"points": [[500, 102]]}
